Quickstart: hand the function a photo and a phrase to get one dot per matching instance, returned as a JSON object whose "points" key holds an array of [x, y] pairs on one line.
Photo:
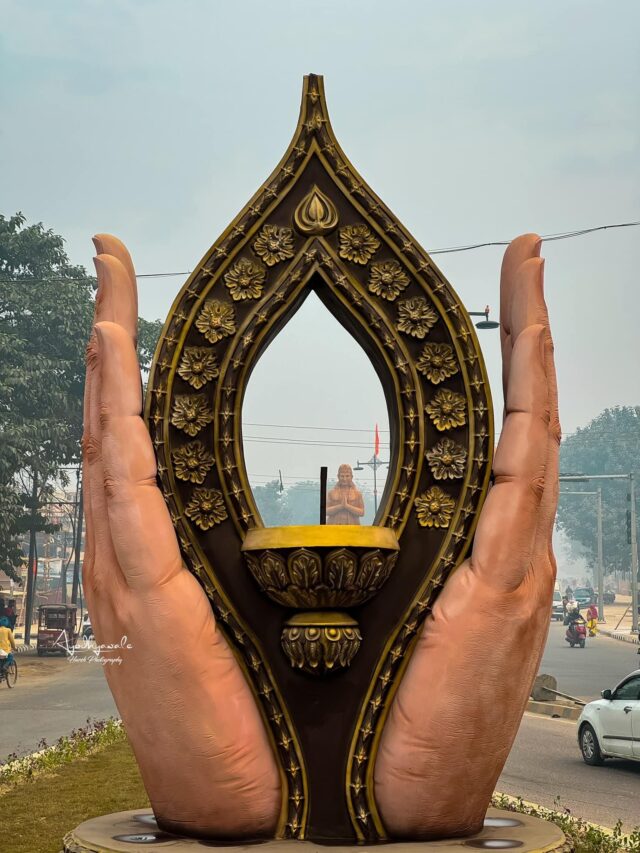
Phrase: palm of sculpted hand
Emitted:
{"points": [[193, 724]]}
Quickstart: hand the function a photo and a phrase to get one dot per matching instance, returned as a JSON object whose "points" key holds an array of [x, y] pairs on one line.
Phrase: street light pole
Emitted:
{"points": [[486, 323], [584, 478], [600, 561], [374, 463]]}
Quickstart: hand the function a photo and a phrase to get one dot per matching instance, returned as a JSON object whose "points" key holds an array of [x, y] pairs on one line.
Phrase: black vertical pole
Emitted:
{"points": [[375, 484], [32, 567], [323, 494]]}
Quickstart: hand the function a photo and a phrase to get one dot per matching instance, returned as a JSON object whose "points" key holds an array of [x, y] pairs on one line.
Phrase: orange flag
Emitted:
{"points": [[376, 446]]}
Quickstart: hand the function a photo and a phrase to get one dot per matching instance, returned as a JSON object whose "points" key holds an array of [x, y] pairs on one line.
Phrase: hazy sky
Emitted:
{"points": [[474, 121]]}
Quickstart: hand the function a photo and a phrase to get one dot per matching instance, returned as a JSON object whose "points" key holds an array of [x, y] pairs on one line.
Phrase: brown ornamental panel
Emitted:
{"points": [[321, 646]]}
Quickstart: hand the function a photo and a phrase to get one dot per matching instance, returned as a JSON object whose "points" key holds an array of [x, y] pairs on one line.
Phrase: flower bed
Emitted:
{"points": [[586, 837], [80, 743]]}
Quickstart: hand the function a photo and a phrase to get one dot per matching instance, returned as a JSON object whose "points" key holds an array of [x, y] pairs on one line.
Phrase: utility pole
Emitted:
{"points": [[633, 533], [32, 568], [78, 544], [634, 556], [600, 562]]}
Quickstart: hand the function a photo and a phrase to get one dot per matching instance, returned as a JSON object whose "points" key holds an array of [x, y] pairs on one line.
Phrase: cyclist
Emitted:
{"points": [[7, 643]]}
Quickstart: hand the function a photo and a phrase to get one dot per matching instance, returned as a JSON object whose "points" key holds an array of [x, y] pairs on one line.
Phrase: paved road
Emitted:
{"points": [[54, 696], [583, 673], [545, 763]]}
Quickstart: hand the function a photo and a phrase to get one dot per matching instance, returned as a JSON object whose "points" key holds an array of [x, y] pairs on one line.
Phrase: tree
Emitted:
{"points": [[46, 311], [297, 504], [610, 444], [46, 307], [148, 334], [272, 504]]}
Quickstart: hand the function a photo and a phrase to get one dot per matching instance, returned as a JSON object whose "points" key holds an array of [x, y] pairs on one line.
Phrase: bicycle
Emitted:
{"points": [[9, 673]]}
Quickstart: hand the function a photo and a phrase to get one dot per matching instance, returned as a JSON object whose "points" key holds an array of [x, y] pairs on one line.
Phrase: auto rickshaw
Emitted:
{"points": [[56, 628]]}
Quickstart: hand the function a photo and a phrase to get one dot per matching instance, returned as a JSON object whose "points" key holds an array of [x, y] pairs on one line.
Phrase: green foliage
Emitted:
{"points": [[272, 504], [296, 504], [46, 306], [102, 778], [46, 312], [610, 444], [79, 744], [585, 837], [148, 334]]}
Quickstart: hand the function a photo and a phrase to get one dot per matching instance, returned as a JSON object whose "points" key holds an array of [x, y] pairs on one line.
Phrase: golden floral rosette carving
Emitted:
{"points": [[191, 413], [192, 462], [274, 244], [437, 362], [447, 460], [447, 409], [434, 508], [206, 508], [416, 317], [387, 279], [198, 366], [245, 279], [358, 244], [216, 320]]}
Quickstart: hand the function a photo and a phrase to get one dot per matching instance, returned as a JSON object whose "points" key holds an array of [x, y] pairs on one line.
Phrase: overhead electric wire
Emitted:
{"points": [[447, 250]]}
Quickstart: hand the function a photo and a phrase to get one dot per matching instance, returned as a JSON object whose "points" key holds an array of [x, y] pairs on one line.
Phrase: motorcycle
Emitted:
{"points": [[577, 633]]}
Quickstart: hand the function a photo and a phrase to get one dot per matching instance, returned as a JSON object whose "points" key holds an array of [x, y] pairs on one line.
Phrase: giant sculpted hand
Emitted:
{"points": [[458, 708], [190, 717], [192, 721]]}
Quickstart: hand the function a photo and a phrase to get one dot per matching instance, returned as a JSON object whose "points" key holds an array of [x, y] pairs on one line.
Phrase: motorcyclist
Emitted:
{"points": [[573, 619], [572, 612]]}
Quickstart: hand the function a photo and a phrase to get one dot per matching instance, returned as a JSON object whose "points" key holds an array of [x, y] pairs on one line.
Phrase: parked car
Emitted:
{"points": [[610, 727], [608, 596], [584, 596], [557, 610]]}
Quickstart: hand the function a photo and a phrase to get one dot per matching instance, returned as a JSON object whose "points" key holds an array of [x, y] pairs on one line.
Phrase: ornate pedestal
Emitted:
{"points": [[131, 832], [316, 568]]}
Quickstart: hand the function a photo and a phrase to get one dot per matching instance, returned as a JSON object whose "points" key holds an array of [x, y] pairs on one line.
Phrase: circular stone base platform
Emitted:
{"points": [[132, 832]]}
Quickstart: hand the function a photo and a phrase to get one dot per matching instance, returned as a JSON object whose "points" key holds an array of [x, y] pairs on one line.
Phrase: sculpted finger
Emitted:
{"points": [[529, 307], [518, 251], [102, 572], [505, 535], [136, 509], [117, 300], [107, 244]]}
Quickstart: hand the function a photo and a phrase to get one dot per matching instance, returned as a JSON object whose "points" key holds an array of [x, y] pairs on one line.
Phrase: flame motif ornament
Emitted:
{"points": [[316, 213], [285, 597]]}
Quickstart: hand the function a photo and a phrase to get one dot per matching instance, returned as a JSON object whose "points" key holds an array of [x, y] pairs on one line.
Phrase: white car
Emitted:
{"points": [[610, 727]]}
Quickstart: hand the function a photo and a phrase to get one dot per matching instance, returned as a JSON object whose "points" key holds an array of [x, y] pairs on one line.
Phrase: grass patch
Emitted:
{"points": [[39, 811], [93, 772]]}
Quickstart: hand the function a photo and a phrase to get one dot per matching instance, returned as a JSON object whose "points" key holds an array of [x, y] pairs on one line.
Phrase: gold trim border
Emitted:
{"points": [[320, 536]]}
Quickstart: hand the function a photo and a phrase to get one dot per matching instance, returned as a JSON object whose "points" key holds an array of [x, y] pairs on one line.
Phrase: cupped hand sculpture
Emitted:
{"points": [[194, 726]]}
